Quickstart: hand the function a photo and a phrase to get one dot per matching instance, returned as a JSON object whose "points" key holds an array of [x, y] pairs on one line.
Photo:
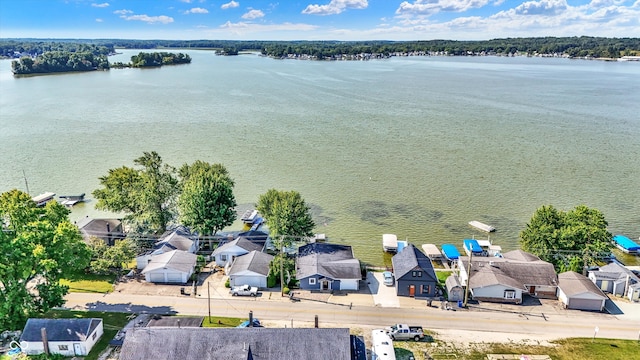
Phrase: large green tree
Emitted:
{"points": [[569, 240], [38, 247], [111, 259], [286, 213], [146, 195], [206, 202]]}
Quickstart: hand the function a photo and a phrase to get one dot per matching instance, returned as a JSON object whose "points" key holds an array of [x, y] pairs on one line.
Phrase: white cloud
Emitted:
{"points": [[229, 5], [123, 12], [335, 7], [186, 1], [253, 14], [103, 5], [428, 7], [197, 11], [149, 19], [99, 20], [543, 7]]}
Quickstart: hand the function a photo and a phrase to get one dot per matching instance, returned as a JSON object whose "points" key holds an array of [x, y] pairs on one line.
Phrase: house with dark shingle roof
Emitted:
{"points": [[109, 230], [237, 343], [68, 337], [224, 254], [324, 266], [414, 273], [505, 279], [250, 269], [576, 291]]}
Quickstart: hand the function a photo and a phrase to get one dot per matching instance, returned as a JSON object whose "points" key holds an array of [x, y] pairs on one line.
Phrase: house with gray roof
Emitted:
{"points": [[250, 269], [505, 279], [175, 266], [68, 337], [576, 291], [414, 273], [324, 266], [616, 279], [237, 343], [109, 230], [224, 254], [179, 238]]}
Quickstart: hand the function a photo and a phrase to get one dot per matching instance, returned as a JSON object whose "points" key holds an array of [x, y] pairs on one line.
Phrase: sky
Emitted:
{"points": [[348, 20]]}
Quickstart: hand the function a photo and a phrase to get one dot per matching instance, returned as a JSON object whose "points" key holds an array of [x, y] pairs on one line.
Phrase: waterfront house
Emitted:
{"points": [[175, 266], [226, 253], [250, 269], [324, 266], [615, 279], [414, 274], [68, 337], [179, 238], [238, 343], [576, 291], [505, 279], [109, 230]]}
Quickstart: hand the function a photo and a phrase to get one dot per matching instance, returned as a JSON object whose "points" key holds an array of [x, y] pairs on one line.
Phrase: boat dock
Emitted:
{"points": [[70, 200], [43, 199], [626, 245], [390, 242], [481, 226]]}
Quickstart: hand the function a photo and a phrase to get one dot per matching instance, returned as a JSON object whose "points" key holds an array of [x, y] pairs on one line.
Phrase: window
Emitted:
{"points": [[312, 281], [413, 273], [94, 336], [509, 294], [425, 289], [63, 347], [419, 273], [223, 257]]}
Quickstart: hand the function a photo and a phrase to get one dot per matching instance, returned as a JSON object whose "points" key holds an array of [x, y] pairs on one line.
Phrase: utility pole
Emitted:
{"points": [[209, 300], [466, 289], [282, 266]]}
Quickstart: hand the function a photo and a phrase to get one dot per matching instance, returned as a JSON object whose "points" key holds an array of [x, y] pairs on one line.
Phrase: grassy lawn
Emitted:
{"points": [[221, 322], [89, 283]]}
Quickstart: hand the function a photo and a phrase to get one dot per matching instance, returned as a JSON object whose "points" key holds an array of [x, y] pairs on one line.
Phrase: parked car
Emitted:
{"points": [[405, 332], [244, 324], [388, 278], [244, 290]]}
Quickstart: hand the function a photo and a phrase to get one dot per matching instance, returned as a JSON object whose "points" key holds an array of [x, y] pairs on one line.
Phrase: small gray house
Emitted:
{"points": [[616, 279], [68, 337], [226, 253], [414, 273], [323, 266], [172, 267], [109, 230], [250, 269]]}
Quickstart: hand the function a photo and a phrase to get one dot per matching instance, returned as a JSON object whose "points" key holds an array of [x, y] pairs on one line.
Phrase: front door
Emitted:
{"points": [[324, 285], [532, 290], [77, 349], [412, 290]]}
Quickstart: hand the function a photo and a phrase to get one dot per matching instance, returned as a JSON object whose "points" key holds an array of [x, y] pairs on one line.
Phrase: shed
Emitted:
{"points": [[172, 267], [250, 269], [576, 291], [431, 251], [68, 337], [450, 252], [455, 291]]}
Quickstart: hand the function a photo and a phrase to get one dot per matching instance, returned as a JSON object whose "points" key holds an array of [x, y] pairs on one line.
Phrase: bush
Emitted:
{"points": [[227, 284], [285, 290], [271, 281]]}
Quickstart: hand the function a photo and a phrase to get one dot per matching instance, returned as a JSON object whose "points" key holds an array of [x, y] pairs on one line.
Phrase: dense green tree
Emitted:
{"points": [[38, 247], [146, 195], [568, 240], [206, 202], [111, 259], [286, 213]]}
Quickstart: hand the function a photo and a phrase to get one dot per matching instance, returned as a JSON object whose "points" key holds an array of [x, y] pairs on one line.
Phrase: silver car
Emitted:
{"points": [[388, 278]]}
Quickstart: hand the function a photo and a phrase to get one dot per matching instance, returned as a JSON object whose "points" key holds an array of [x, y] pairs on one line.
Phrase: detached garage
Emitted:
{"points": [[172, 267], [576, 291], [250, 269]]}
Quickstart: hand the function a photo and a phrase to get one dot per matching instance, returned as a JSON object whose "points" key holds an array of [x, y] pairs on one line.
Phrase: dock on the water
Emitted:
{"points": [[43, 198], [481, 226], [390, 242]]}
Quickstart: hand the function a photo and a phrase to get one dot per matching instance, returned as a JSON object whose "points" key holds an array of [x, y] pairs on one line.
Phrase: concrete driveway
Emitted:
{"points": [[383, 296]]}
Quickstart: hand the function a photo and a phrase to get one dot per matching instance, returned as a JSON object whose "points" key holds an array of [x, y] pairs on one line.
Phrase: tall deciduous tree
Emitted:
{"points": [[206, 203], [286, 213], [111, 259], [38, 247], [146, 195], [568, 240]]}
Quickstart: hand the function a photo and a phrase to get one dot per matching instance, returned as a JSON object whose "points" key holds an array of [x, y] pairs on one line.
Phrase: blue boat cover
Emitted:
{"points": [[626, 243], [472, 245], [450, 252]]}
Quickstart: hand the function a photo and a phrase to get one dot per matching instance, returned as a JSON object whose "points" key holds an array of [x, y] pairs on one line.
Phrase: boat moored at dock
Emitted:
{"points": [[43, 199], [626, 245], [390, 242], [481, 226]]}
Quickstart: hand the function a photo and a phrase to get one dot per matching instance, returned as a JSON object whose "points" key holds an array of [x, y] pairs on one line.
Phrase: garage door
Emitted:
{"points": [[585, 304], [248, 280], [174, 277], [157, 277]]}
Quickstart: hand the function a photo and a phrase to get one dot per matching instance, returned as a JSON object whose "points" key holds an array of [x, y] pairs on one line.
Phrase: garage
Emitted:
{"points": [[250, 269], [172, 267], [174, 277], [156, 278], [576, 291]]}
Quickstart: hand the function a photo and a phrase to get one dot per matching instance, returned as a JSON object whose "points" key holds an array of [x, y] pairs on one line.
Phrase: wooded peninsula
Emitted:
{"points": [[47, 55]]}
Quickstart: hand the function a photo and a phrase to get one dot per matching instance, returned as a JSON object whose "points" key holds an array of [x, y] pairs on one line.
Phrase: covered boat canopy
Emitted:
{"points": [[390, 242], [626, 244], [471, 245], [450, 252], [431, 251]]}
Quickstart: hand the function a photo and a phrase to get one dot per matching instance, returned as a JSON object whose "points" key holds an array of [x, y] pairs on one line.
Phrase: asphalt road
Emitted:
{"points": [[551, 326]]}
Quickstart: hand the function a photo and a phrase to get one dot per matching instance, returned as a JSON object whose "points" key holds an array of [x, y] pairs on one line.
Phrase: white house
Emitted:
{"points": [[68, 337], [172, 267], [179, 238], [250, 269], [576, 291], [617, 280], [225, 254]]}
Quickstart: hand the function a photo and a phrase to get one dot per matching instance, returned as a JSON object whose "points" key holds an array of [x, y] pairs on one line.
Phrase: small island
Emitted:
{"points": [[155, 59]]}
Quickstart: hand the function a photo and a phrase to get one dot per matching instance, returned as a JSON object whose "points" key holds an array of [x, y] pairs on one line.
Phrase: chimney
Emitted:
{"points": [[45, 342]]}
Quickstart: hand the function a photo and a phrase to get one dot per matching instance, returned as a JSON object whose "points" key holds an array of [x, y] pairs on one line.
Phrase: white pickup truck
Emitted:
{"points": [[405, 332], [244, 290]]}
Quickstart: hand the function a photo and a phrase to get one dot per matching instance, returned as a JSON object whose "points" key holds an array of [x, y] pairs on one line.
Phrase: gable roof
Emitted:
{"points": [[615, 271], [520, 255], [535, 273], [101, 228], [572, 284], [410, 258], [452, 281], [255, 261], [330, 260], [240, 242], [59, 329], [234, 343], [175, 260], [177, 239]]}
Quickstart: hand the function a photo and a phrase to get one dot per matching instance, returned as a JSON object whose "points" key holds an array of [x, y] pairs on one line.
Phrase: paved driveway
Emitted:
{"points": [[383, 296]]}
